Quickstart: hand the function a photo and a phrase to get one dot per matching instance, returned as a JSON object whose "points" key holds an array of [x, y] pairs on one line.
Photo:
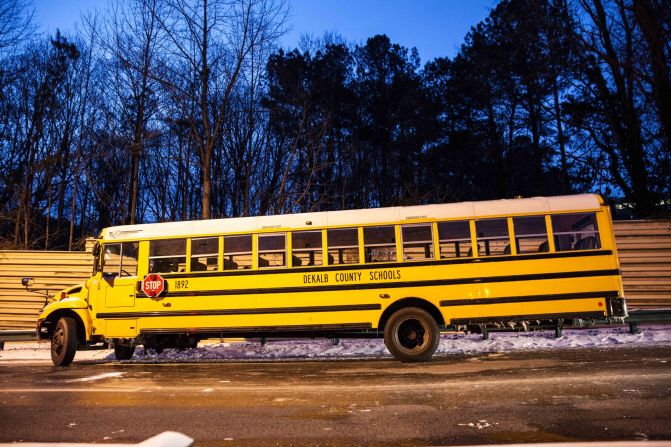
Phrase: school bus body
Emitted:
{"points": [[485, 285]]}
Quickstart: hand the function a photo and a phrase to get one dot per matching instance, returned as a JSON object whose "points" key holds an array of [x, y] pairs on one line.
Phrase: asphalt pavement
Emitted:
{"points": [[546, 396]]}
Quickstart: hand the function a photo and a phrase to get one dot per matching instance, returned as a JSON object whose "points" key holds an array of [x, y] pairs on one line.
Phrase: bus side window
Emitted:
{"points": [[204, 254], [531, 234], [455, 239], [417, 242], [272, 250], [575, 231], [167, 256], [379, 243], [238, 252], [111, 260], [129, 258], [492, 236], [343, 246], [306, 248]]}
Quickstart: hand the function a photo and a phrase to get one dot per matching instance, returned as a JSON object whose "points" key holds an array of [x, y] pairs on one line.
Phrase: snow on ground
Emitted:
{"points": [[451, 343]]}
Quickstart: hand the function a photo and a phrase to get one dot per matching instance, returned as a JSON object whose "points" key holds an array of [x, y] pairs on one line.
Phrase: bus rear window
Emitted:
{"points": [[380, 243], [575, 232], [272, 250], [455, 239], [343, 246], [167, 256], [531, 235], [306, 248], [417, 242], [238, 252], [492, 237]]}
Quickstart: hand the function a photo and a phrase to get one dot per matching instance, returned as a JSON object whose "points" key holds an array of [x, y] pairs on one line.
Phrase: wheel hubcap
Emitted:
{"points": [[57, 340], [412, 334]]}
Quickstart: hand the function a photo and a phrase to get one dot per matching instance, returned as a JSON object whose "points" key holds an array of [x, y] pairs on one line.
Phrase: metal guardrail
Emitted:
{"points": [[637, 317], [13, 335]]}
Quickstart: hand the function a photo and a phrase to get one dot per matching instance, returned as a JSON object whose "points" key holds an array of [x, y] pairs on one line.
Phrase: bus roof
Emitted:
{"points": [[404, 214]]}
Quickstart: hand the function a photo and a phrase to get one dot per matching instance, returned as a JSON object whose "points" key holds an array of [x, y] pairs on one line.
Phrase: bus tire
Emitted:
{"points": [[64, 342], [123, 352], [411, 335]]}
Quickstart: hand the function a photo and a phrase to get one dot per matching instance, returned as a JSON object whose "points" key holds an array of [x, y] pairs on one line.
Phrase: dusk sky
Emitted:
{"points": [[435, 27]]}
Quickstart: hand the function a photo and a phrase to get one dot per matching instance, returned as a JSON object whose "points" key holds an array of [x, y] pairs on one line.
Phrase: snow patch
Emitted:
{"points": [[323, 349], [478, 425], [450, 344]]}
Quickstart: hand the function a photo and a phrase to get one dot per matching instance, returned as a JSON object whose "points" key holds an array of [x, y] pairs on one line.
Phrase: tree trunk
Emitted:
{"points": [[566, 182], [73, 208]]}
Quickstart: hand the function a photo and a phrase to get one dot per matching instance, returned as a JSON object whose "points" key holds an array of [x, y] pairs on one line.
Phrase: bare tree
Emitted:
{"points": [[16, 23], [131, 42], [611, 111], [85, 112], [209, 43], [654, 20]]}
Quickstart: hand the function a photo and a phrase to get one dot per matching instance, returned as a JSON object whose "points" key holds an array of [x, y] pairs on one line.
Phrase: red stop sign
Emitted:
{"points": [[153, 285]]}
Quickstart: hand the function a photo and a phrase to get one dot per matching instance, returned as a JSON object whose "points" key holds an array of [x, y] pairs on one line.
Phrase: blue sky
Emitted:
{"points": [[435, 27]]}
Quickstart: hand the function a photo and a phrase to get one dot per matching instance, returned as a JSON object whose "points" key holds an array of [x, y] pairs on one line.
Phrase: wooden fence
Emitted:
{"points": [[54, 270], [644, 248]]}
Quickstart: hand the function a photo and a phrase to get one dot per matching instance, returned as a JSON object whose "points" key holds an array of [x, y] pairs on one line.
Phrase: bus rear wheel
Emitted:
{"points": [[411, 335], [122, 352], [64, 342]]}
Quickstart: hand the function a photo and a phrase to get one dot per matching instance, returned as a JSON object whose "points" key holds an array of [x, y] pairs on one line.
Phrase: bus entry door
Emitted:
{"points": [[119, 275], [120, 292]]}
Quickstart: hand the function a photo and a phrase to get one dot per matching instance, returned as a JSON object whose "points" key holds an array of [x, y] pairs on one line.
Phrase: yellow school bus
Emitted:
{"points": [[402, 273]]}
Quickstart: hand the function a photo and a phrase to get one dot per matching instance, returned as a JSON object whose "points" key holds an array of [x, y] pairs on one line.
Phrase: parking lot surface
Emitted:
{"points": [[568, 395]]}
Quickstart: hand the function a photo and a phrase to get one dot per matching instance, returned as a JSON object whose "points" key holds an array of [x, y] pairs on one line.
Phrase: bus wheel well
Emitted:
{"points": [[53, 318], [411, 302]]}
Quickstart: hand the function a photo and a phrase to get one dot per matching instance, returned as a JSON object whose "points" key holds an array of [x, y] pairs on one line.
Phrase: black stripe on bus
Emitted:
{"points": [[394, 285], [529, 298], [379, 265], [258, 330], [218, 312]]}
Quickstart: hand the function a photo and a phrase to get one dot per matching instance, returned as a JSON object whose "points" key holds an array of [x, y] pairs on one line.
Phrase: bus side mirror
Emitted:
{"points": [[27, 282]]}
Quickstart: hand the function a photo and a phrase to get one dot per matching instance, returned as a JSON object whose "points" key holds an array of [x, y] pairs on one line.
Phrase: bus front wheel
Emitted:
{"points": [[64, 342], [411, 335]]}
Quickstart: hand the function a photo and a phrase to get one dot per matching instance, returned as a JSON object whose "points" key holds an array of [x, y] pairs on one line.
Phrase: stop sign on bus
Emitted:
{"points": [[153, 285]]}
